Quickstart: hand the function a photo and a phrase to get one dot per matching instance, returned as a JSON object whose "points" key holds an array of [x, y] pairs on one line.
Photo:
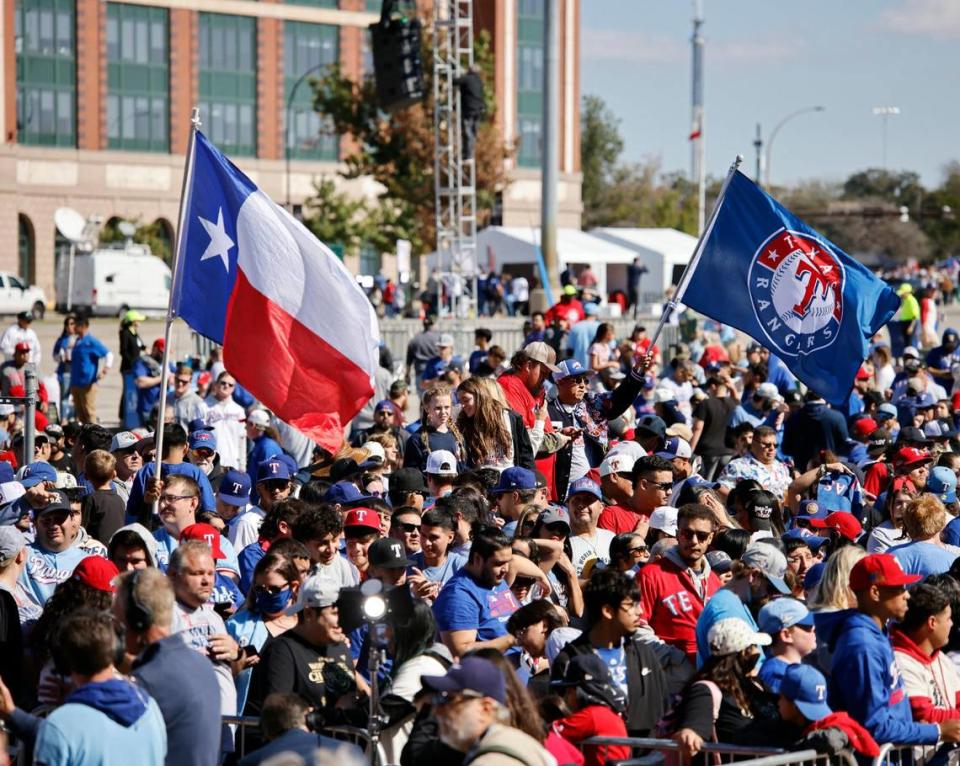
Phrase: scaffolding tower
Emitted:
{"points": [[454, 175]]}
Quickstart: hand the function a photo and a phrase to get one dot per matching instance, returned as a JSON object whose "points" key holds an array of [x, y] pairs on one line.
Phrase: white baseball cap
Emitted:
{"points": [[732, 635], [316, 592], [621, 463], [627, 447], [259, 418], [664, 518], [375, 452], [441, 462], [661, 395], [123, 440]]}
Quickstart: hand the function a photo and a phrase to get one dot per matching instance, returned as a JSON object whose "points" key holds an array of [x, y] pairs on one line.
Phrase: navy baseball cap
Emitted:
{"points": [[274, 468], [811, 509], [203, 438], [653, 425], [344, 493], [584, 485], [6, 472], [235, 488], [473, 674], [812, 541], [570, 368], [515, 479], [806, 688], [37, 472]]}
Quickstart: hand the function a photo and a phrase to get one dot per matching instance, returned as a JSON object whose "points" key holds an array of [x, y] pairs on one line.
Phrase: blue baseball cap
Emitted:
{"points": [[203, 438], [37, 472], [274, 468], [569, 368], [344, 493], [783, 613], [885, 411], [811, 509], [584, 485], [806, 688], [473, 674], [813, 575], [515, 479], [813, 542], [6, 472], [235, 488], [942, 482]]}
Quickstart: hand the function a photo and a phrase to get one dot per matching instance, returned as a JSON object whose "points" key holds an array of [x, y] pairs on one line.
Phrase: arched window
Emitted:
{"points": [[26, 247]]}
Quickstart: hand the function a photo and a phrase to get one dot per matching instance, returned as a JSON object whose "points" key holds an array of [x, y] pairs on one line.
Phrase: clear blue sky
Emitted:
{"points": [[765, 59]]}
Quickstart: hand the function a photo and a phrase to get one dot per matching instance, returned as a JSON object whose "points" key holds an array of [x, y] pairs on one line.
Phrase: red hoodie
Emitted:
{"points": [[860, 739], [524, 403], [930, 680]]}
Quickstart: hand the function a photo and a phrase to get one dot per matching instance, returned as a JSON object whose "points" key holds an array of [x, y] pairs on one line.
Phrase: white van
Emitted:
{"points": [[110, 281]]}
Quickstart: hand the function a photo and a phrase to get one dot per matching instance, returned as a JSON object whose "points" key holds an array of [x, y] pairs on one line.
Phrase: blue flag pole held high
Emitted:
{"points": [[762, 270]]}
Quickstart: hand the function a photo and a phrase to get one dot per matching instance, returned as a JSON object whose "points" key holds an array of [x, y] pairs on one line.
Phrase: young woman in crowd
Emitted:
{"points": [[494, 435], [890, 532], [437, 429]]}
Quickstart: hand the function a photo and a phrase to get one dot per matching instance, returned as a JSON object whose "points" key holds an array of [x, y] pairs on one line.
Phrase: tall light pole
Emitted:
{"points": [[776, 129], [885, 112], [286, 127], [758, 145], [698, 171], [550, 142]]}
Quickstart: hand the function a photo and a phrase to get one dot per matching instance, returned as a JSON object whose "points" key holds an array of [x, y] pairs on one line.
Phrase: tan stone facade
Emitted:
{"points": [[145, 186]]}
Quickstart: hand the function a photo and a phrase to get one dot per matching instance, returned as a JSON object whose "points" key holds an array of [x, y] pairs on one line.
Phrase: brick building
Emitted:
{"points": [[97, 96]]}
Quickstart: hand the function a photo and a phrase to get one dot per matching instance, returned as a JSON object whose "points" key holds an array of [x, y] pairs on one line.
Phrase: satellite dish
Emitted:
{"points": [[127, 229], [70, 223]]}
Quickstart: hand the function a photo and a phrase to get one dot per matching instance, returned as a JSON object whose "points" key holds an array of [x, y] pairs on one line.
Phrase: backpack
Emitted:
{"points": [[669, 725]]}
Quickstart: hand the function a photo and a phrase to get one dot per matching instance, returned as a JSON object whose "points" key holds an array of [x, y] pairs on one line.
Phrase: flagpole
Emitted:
{"points": [[181, 238], [687, 275]]}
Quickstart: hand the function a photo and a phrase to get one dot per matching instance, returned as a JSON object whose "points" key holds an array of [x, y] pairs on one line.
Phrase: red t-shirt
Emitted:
{"points": [[595, 721], [877, 478], [618, 519]]}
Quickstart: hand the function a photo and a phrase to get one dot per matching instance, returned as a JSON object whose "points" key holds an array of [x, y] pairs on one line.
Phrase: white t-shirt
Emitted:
{"points": [[226, 419], [244, 528], [586, 548], [520, 289], [340, 571]]}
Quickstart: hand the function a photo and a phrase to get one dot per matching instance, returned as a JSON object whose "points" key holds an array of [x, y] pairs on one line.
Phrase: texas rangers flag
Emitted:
{"points": [[762, 270], [297, 331]]}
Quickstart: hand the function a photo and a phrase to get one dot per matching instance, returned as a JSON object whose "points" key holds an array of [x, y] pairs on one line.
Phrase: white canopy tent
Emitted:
{"points": [[514, 249], [665, 253]]}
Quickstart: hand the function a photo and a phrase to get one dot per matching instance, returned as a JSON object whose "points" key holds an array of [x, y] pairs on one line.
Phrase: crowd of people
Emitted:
{"points": [[587, 536]]}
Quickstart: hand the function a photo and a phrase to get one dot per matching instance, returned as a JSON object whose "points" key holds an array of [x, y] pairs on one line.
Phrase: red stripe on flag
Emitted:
{"points": [[292, 370]]}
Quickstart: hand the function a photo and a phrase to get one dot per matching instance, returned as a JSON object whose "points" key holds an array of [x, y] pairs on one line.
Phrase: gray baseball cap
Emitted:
{"points": [[11, 543], [770, 561]]}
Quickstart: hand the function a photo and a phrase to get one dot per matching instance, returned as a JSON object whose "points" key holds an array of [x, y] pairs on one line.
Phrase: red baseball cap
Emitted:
{"points": [[879, 569], [841, 521], [362, 518], [864, 427], [862, 374], [910, 456], [97, 572], [205, 533], [159, 344], [22, 346]]}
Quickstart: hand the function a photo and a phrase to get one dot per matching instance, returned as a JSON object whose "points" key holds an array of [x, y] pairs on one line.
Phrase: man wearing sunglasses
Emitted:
{"points": [[226, 418], [405, 527], [760, 463], [187, 404], [677, 587]]}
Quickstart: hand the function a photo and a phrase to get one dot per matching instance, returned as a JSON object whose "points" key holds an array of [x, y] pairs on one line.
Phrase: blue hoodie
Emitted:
{"points": [[866, 683]]}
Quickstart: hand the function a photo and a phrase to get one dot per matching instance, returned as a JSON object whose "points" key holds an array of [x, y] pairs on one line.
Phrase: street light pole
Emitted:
{"points": [[773, 133], [758, 145], [885, 112], [293, 93]]}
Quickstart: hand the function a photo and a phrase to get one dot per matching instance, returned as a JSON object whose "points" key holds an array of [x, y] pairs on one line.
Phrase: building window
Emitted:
{"points": [[369, 261], [46, 72], [308, 48], [138, 78], [529, 81], [228, 82], [26, 248]]}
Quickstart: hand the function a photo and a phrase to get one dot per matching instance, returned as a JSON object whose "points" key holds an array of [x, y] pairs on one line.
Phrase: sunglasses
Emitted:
{"points": [[666, 486], [408, 529], [183, 381], [638, 549], [271, 484], [690, 534]]}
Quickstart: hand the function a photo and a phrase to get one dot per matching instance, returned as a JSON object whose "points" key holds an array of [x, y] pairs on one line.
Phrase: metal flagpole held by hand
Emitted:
{"points": [[691, 266], [182, 227]]}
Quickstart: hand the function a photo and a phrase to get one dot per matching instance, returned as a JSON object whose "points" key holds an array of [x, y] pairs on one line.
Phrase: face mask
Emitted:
{"points": [[271, 603]]}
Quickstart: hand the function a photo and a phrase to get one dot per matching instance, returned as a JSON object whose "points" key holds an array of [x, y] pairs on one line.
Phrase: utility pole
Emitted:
{"points": [[758, 145], [697, 148], [549, 132], [885, 112]]}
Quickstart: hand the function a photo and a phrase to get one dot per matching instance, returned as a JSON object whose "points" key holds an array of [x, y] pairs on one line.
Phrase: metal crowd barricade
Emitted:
{"points": [[351, 734], [650, 752], [242, 722], [793, 758], [914, 755]]}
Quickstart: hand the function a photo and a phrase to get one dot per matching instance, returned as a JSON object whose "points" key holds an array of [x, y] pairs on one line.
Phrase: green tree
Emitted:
{"points": [[939, 214], [397, 151], [600, 147], [153, 235]]}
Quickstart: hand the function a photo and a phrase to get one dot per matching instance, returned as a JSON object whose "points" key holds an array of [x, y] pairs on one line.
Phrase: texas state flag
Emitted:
{"points": [[761, 269], [296, 329]]}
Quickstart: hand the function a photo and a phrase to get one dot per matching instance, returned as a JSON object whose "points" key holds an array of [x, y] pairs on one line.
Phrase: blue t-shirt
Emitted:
{"points": [[771, 673], [923, 558], [464, 604], [167, 544], [85, 360], [616, 661], [135, 501], [147, 398], [478, 357], [441, 574]]}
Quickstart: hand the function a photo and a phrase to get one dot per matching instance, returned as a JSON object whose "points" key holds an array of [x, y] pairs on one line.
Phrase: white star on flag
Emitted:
{"points": [[220, 242]]}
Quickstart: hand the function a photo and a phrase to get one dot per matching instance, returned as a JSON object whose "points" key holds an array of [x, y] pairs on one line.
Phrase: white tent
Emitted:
{"points": [[514, 249], [665, 253]]}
